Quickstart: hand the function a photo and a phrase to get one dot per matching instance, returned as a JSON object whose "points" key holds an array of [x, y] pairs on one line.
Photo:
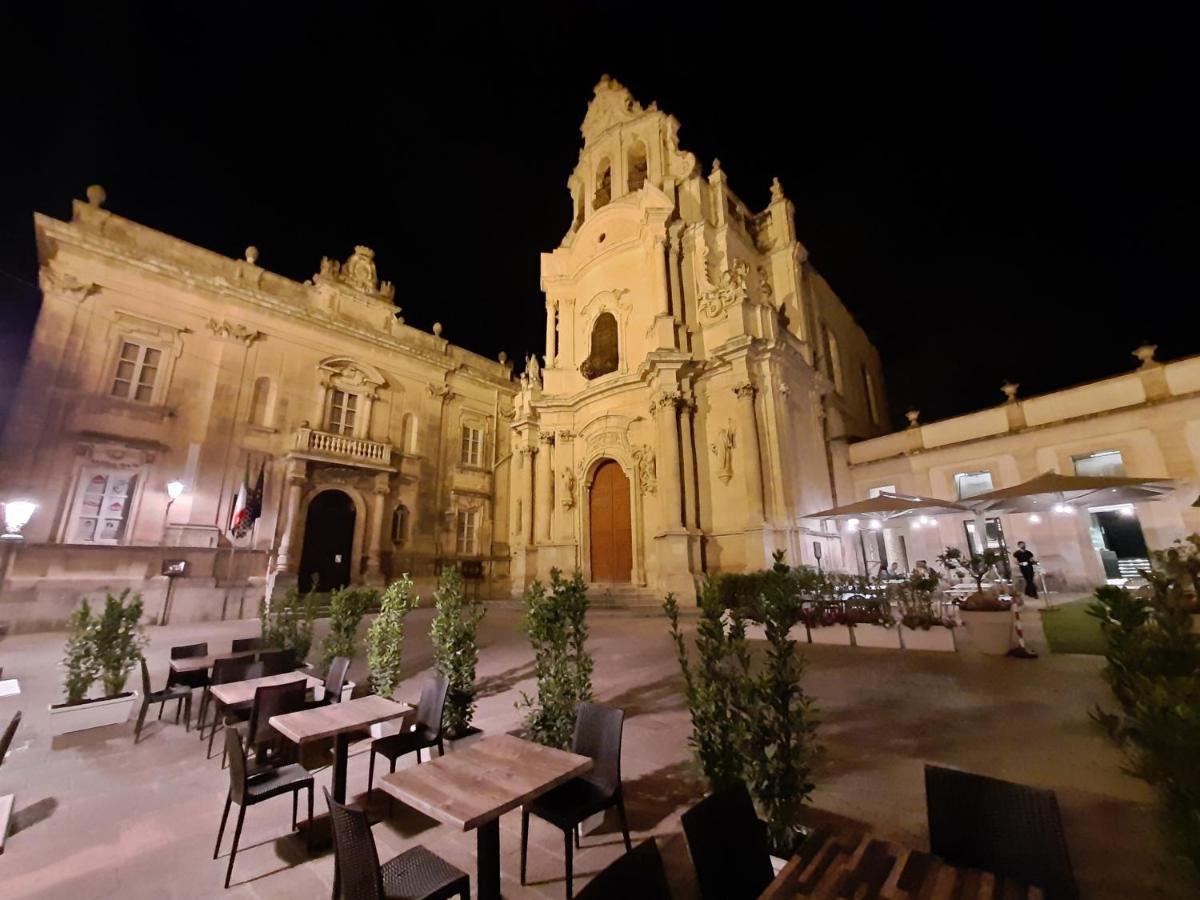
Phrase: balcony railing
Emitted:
{"points": [[309, 440]]}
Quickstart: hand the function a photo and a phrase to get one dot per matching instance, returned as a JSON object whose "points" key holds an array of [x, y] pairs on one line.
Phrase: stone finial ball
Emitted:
{"points": [[252, 254], [96, 195], [503, 357], [437, 329]]}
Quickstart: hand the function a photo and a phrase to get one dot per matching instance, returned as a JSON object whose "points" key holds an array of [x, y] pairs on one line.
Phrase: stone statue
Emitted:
{"points": [[643, 458], [533, 371], [723, 450], [568, 489]]}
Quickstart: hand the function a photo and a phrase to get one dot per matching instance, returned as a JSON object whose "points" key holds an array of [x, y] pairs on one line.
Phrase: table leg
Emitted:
{"points": [[341, 751], [487, 853]]}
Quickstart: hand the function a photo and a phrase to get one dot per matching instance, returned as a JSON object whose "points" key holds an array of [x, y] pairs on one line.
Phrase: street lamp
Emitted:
{"points": [[174, 492], [17, 514]]}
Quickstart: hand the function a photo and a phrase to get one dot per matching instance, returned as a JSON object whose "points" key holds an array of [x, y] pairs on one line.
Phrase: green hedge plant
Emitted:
{"points": [[117, 639], [287, 623], [385, 637], [454, 632], [556, 623], [80, 665], [347, 606]]}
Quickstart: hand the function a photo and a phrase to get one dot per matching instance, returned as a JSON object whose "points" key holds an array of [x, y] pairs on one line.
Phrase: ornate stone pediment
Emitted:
{"points": [[611, 105], [357, 273], [730, 290]]}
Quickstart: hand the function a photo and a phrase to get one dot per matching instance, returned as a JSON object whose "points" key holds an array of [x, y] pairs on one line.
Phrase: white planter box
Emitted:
{"points": [[939, 637], [831, 634], [990, 632], [347, 690], [91, 714], [877, 636]]}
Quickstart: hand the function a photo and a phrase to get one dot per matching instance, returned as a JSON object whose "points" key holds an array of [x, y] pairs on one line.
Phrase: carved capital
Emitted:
{"points": [[63, 285], [230, 331], [546, 437], [665, 399], [745, 390], [529, 450], [440, 390], [565, 437]]}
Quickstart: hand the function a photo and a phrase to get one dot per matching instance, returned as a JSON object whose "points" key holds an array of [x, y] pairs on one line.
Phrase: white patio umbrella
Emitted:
{"points": [[886, 506], [1051, 489]]}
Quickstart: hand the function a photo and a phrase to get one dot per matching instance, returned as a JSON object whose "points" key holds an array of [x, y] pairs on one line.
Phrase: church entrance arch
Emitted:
{"points": [[328, 541], [610, 524]]}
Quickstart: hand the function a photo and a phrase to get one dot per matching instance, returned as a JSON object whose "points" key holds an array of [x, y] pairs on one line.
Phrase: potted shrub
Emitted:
{"points": [[454, 633], [104, 647], [922, 626], [347, 606], [287, 624], [872, 625], [385, 644]]}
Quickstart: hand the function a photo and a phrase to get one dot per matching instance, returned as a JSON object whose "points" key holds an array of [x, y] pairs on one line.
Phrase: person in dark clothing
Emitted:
{"points": [[1025, 563]]}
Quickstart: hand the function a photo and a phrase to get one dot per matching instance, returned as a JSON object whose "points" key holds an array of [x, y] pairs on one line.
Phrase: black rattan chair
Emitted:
{"points": [[416, 874], [1010, 829], [335, 679], [728, 844], [7, 739], [240, 645], [278, 662], [180, 693], [636, 874], [597, 735], [197, 679], [256, 734], [227, 671], [426, 732], [247, 790]]}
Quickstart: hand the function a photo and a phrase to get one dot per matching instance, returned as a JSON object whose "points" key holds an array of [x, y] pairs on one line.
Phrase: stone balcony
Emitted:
{"points": [[322, 445]]}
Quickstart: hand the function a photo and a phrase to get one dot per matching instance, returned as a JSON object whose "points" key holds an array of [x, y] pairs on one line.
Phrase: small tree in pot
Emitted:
{"points": [[385, 637], [454, 633], [347, 606], [118, 640], [287, 624], [79, 657]]}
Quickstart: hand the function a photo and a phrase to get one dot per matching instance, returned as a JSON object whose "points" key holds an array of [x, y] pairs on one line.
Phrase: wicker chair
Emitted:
{"points": [[197, 679], [7, 738], [180, 693], [256, 734], [998, 826], [241, 645], [598, 733], [728, 844], [638, 873], [246, 790], [416, 874], [227, 671], [427, 732], [278, 662], [335, 679]]}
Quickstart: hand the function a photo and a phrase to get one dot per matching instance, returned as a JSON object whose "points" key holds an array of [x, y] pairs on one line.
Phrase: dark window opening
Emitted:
{"points": [[637, 166], [604, 353], [603, 185]]}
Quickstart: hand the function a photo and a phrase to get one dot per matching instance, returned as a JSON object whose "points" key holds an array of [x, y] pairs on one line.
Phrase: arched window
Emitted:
{"points": [[400, 524], [408, 434], [604, 354], [603, 184], [637, 166], [262, 402]]}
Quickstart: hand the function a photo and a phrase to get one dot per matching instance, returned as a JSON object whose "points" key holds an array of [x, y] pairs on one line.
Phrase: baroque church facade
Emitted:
{"points": [[699, 385]]}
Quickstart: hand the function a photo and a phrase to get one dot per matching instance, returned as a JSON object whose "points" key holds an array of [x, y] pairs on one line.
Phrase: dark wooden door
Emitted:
{"points": [[612, 547], [328, 541]]}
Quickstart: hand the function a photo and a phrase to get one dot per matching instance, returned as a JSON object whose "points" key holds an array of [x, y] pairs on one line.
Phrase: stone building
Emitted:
{"points": [[381, 448], [697, 371]]}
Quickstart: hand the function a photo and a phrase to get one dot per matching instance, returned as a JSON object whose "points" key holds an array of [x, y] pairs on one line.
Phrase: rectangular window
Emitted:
{"points": [[468, 532], [882, 489], [103, 506], [869, 388], [343, 408], [472, 446], [970, 484], [833, 360], [137, 372], [1106, 463]]}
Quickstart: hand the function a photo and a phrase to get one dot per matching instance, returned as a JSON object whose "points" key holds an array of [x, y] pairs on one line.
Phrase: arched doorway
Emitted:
{"points": [[608, 508], [328, 541]]}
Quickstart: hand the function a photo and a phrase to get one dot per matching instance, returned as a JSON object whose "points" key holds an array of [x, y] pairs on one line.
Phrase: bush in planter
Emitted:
{"points": [[981, 601], [975, 566], [385, 637], [287, 624], [557, 628], [347, 606], [913, 599], [117, 639], [79, 656], [1153, 667], [456, 649]]}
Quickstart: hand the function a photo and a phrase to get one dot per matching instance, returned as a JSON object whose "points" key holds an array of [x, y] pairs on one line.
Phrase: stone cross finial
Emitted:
{"points": [[1010, 391], [1145, 354], [96, 195], [913, 415]]}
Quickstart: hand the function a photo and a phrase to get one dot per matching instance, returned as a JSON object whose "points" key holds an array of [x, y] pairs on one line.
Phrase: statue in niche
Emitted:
{"points": [[722, 449], [643, 458], [568, 489], [533, 371]]}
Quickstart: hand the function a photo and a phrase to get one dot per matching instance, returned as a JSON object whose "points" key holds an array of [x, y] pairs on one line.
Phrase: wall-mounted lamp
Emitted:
{"points": [[17, 514], [175, 490]]}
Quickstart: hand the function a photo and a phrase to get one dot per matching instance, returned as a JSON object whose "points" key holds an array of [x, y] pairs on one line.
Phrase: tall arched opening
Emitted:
{"points": [[328, 541], [610, 524]]}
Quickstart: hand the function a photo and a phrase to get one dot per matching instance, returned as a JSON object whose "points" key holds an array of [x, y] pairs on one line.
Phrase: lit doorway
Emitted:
{"points": [[995, 542], [1118, 539]]}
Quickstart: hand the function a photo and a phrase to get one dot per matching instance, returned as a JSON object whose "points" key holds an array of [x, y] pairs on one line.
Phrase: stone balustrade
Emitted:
{"points": [[309, 440]]}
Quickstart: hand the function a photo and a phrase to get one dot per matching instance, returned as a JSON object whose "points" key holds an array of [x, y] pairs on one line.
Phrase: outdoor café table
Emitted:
{"points": [[338, 720], [472, 788], [238, 692], [835, 864], [204, 663]]}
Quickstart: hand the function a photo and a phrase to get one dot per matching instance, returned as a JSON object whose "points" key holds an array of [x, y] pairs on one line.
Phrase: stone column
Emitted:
{"points": [[751, 459], [664, 408], [543, 488], [551, 308], [528, 452], [687, 412], [374, 573], [286, 560]]}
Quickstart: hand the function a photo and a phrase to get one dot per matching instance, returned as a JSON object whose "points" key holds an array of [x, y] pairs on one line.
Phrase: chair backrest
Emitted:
{"points": [[1011, 829], [237, 765], [242, 644], [638, 873], [274, 700], [277, 662], [335, 679], [189, 651], [7, 739], [598, 732], [354, 849], [233, 669], [145, 679], [728, 844], [433, 703]]}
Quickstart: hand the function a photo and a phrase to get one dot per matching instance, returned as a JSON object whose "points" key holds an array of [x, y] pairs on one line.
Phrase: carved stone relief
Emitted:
{"points": [[730, 289], [643, 458], [722, 449]]}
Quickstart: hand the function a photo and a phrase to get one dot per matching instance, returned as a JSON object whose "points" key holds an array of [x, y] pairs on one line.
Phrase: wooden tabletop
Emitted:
{"points": [[838, 864], [472, 786], [326, 721], [202, 663], [236, 692]]}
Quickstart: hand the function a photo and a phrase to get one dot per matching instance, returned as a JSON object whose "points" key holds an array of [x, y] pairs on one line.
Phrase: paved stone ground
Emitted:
{"points": [[99, 817]]}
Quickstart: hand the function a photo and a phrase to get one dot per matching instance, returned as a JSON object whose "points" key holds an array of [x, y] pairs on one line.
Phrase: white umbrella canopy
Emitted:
{"points": [[890, 506], [1051, 489]]}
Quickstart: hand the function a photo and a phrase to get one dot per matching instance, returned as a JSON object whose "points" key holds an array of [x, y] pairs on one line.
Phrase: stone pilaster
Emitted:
{"points": [[286, 560], [751, 457], [374, 573], [543, 488], [664, 408], [528, 452]]}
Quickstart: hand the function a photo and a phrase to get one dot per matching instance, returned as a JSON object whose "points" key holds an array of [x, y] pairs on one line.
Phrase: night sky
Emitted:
{"points": [[994, 192]]}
